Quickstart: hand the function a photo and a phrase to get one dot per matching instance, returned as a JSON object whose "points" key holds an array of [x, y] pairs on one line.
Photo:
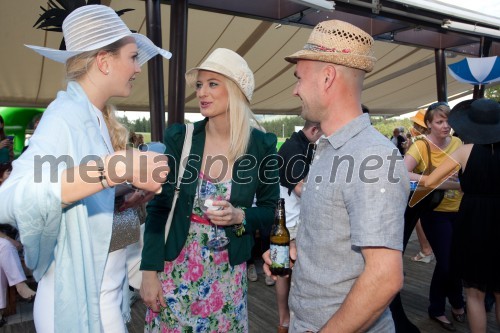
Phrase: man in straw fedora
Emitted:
{"points": [[348, 248]]}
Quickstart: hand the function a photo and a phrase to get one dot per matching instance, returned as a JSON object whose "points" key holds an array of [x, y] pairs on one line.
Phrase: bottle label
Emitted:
{"points": [[280, 256]]}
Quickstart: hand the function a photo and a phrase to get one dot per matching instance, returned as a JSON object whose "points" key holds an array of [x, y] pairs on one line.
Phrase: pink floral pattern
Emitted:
{"points": [[202, 291]]}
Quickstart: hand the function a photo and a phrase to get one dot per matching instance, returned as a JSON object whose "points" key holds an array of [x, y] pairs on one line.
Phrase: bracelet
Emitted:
{"points": [[239, 229], [102, 176]]}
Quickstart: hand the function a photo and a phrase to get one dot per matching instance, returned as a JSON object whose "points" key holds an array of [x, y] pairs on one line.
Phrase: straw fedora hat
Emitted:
{"points": [[476, 121], [92, 27], [418, 118], [230, 64], [339, 43]]}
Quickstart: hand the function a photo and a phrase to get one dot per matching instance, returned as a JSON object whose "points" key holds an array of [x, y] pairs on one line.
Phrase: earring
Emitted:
{"points": [[107, 71]]}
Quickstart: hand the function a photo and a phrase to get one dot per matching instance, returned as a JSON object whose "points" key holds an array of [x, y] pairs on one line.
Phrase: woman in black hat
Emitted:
{"points": [[6, 152], [477, 122]]}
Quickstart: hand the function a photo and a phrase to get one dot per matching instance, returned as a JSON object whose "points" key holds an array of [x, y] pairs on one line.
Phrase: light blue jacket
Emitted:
{"points": [[77, 238]]}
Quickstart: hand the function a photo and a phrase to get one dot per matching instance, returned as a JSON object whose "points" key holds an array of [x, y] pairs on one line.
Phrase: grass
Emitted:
{"points": [[147, 136], [280, 142]]}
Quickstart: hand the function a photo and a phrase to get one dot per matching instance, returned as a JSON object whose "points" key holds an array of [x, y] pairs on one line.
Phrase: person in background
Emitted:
{"points": [[402, 132], [425, 254], [408, 142], [63, 205], [476, 247], [354, 223], [419, 128], [132, 140], [11, 270], [140, 140], [297, 153], [261, 244], [36, 121], [412, 221], [186, 284], [401, 321], [6, 145], [12, 273], [398, 140], [252, 270], [135, 140], [440, 224], [5, 170]]}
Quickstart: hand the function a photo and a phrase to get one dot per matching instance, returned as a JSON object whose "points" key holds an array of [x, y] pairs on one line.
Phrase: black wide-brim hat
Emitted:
{"points": [[476, 121]]}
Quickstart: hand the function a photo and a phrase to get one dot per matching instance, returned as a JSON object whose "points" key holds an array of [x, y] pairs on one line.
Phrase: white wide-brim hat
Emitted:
{"points": [[230, 64], [92, 27]]}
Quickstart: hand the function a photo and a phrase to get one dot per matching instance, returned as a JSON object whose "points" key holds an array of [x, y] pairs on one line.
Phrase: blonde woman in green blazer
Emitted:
{"points": [[185, 282]]}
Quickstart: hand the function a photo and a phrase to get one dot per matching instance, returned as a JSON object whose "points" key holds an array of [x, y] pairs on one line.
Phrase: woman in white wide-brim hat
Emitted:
{"points": [[476, 246], [60, 193]]}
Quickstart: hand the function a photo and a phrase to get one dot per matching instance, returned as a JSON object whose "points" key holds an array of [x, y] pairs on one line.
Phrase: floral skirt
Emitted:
{"points": [[202, 291]]}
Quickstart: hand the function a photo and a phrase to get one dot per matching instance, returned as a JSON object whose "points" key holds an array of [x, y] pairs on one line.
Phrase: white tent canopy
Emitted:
{"points": [[403, 80]]}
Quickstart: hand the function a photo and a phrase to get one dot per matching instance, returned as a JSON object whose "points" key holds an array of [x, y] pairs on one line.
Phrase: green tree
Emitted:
{"points": [[125, 122], [493, 93], [285, 125], [142, 125], [387, 126]]}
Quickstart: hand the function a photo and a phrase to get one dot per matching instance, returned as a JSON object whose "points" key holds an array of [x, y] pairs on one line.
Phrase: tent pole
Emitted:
{"points": [[484, 51], [155, 72], [441, 82], [177, 65]]}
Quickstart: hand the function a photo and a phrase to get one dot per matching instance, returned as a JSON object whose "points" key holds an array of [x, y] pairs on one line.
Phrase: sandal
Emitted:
{"points": [[423, 258], [460, 317]]}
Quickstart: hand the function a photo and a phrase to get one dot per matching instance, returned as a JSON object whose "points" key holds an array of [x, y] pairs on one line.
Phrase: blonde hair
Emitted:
{"points": [[78, 66], [241, 121]]}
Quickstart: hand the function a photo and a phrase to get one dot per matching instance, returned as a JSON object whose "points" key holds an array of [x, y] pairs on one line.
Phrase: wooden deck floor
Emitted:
{"points": [[263, 311]]}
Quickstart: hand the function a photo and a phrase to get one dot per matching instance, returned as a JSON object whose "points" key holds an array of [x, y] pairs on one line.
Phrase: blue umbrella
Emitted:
{"points": [[476, 70]]}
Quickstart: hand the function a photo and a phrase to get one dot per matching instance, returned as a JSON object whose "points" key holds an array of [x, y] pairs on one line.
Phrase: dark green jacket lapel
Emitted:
{"points": [[247, 184]]}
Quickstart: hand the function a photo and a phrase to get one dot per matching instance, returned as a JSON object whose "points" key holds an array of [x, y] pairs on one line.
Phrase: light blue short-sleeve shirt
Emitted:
{"points": [[355, 197]]}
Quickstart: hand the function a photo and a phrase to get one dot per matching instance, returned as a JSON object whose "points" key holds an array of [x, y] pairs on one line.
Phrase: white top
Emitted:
{"points": [[292, 207]]}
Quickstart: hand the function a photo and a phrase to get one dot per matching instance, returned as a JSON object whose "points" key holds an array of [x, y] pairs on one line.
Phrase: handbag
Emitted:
{"points": [[134, 251], [126, 228], [426, 198]]}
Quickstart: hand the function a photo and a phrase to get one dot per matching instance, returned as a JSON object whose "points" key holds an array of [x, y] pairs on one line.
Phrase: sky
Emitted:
{"points": [[492, 7]]}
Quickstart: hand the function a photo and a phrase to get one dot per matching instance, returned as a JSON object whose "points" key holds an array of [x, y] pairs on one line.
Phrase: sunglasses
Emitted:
{"points": [[435, 105]]}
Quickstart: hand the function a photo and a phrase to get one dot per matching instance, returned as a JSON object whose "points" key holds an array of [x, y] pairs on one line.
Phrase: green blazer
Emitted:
{"points": [[254, 175]]}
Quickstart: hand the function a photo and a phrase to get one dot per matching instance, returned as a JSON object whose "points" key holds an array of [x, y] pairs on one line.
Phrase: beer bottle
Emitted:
{"points": [[280, 242]]}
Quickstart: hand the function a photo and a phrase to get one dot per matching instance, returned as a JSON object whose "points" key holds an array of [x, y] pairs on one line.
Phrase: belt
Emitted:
{"points": [[198, 219]]}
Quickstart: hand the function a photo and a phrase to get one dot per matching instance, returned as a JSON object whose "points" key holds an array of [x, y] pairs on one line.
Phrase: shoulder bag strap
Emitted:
{"points": [[429, 167], [186, 148]]}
